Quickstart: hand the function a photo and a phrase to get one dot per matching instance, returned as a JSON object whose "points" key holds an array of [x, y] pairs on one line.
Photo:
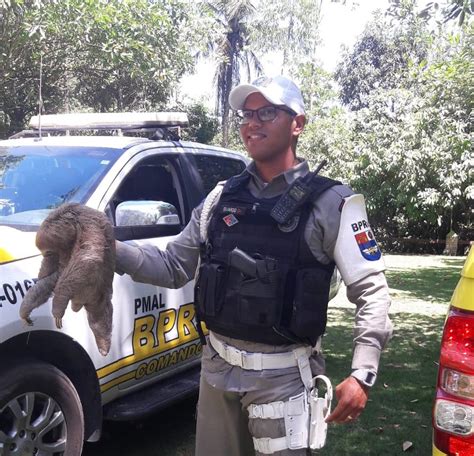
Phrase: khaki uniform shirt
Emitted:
{"points": [[175, 266]]}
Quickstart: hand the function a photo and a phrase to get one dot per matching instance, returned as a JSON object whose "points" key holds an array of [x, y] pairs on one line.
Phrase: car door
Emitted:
{"points": [[154, 332], [154, 327]]}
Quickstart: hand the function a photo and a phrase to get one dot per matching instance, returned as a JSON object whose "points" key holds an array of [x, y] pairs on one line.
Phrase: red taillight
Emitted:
{"points": [[457, 346], [453, 445], [453, 416]]}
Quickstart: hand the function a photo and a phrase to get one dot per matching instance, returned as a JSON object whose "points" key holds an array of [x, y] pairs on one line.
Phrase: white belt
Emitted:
{"points": [[265, 445], [257, 361]]}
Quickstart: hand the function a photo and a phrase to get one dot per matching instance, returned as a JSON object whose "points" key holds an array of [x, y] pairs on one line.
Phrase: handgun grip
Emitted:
{"points": [[243, 262]]}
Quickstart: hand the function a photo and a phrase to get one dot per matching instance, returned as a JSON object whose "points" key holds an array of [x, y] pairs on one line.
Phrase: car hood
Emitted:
{"points": [[16, 244]]}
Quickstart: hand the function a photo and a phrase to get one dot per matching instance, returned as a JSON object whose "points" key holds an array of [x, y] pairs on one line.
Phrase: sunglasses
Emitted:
{"points": [[264, 114]]}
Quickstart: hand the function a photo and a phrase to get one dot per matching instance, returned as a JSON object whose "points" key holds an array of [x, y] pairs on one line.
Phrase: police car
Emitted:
{"points": [[55, 387], [453, 413]]}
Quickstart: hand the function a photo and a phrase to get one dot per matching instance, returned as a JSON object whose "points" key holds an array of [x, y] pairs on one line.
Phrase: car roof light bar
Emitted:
{"points": [[110, 121]]}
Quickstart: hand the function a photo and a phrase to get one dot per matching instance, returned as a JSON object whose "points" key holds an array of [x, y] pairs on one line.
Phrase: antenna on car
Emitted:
{"points": [[40, 96], [40, 89]]}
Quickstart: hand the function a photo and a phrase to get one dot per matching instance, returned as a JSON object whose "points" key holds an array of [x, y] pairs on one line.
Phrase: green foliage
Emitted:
{"points": [[406, 142], [382, 57], [410, 163], [413, 148], [287, 26], [230, 48], [328, 131], [105, 56], [234, 141], [203, 126], [460, 10]]}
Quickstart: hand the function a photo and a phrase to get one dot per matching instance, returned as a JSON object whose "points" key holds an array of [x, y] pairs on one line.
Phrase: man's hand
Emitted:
{"points": [[351, 399]]}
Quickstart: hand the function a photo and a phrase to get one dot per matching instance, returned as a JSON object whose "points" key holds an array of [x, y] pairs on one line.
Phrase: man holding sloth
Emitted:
{"points": [[262, 247]]}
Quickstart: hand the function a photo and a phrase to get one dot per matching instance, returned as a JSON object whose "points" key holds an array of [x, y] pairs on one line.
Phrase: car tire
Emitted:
{"points": [[40, 411]]}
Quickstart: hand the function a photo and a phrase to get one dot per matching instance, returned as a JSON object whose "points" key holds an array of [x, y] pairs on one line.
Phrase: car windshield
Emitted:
{"points": [[36, 179]]}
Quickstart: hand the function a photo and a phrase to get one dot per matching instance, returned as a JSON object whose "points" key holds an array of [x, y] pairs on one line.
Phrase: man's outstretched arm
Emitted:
{"points": [[172, 267]]}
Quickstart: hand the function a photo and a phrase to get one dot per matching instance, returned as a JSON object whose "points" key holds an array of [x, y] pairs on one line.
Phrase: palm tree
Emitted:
{"points": [[231, 50]]}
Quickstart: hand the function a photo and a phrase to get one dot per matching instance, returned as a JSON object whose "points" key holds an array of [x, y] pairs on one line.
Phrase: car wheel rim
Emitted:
{"points": [[32, 423]]}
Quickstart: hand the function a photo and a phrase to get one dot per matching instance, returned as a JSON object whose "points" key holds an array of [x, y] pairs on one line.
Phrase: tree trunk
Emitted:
{"points": [[227, 87]]}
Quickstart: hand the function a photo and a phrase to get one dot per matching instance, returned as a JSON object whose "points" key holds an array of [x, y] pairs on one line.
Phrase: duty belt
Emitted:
{"points": [[260, 361]]}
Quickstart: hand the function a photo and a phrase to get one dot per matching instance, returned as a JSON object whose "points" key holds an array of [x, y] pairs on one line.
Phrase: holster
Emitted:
{"points": [[319, 408]]}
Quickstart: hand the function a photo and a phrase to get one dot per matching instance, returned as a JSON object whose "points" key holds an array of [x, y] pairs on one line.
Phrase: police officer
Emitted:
{"points": [[263, 246]]}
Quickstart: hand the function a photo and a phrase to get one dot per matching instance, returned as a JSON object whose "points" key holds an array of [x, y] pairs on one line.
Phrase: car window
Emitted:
{"points": [[35, 180], [152, 179], [214, 169]]}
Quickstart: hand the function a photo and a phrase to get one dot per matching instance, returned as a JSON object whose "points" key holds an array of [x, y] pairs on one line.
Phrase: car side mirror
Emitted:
{"points": [[146, 213]]}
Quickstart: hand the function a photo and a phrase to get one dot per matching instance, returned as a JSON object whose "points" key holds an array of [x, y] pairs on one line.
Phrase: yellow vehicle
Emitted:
{"points": [[453, 413]]}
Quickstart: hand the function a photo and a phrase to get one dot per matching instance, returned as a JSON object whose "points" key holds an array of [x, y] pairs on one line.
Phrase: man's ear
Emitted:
{"points": [[299, 121]]}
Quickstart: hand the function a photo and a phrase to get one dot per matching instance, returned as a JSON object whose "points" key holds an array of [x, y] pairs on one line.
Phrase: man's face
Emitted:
{"points": [[266, 141]]}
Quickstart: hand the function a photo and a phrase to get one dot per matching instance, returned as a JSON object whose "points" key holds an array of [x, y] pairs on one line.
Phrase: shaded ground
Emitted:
{"points": [[168, 433], [400, 405]]}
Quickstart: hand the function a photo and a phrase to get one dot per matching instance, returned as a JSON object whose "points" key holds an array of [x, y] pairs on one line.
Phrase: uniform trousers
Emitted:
{"points": [[223, 424]]}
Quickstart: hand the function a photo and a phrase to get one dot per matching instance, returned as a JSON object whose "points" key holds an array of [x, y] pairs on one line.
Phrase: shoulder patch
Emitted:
{"points": [[366, 241], [356, 252]]}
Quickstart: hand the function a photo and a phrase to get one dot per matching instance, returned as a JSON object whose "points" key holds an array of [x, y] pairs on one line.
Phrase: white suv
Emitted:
{"points": [[55, 387]]}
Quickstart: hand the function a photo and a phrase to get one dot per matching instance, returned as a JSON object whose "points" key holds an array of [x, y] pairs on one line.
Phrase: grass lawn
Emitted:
{"points": [[400, 404]]}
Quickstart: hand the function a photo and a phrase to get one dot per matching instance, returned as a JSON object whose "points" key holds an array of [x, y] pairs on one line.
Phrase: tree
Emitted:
{"points": [[327, 135], [104, 56], [289, 27], [461, 10], [230, 47], [382, 56], [136, 52], [411, 137], [203, 126], [20, 58]]}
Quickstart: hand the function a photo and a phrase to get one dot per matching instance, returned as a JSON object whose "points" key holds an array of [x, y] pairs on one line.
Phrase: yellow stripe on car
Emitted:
{"points": [[468, 269], [463, 296], [436, 452], [116, 381], [5, 256], [16, 244]]}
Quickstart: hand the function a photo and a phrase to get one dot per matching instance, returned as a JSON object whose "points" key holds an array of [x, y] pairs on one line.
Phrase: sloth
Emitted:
{"points": [[78, 248]]}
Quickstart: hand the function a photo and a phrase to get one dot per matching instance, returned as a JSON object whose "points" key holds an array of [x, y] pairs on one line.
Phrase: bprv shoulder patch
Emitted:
{"points": [[366, 240], [356, 252]]}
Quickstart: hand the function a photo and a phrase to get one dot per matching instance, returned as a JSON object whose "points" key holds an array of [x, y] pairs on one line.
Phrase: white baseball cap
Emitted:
{"points": [[277, 90]]}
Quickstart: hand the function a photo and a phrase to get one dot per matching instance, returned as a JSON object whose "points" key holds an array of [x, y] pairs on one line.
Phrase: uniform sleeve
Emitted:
{"points": [[171, 268], [338, 231], [372, 328]]}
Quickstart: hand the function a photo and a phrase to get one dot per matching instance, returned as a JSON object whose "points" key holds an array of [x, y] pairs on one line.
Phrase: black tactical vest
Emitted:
{"points": [[271, 289]]}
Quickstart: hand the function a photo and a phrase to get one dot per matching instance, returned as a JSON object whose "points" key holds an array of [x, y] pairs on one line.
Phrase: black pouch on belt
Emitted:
{"points": [[208, 293], [309, 317]]}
